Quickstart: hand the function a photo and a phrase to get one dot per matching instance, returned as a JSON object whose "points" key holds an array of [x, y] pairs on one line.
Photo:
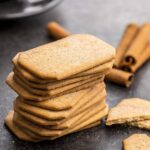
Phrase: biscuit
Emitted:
{"points": [[16, 130], [137, 142], [129, 110], [55, 91], [56, 115], [101, 69], [66, 57], [97, 117], [64, 102], [94, 121], [47, 132], [50, 132], [31, 127], [61, 124], [75, 120], [30, 136], [35, 119], [39, 138], [55, 84], [45, 122], [29, 96]]}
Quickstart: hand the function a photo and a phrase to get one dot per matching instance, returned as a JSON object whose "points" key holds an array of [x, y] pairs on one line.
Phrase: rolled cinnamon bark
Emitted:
{"points": [[57, 31], [120, 77], [145, 56], [126, 40], [135, 50]]}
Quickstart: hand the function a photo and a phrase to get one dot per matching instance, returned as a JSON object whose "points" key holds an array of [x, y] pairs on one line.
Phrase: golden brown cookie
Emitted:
{"points": [[95, 118], [66, 57], [55, 84], [86, 101], [29, 96], [18, 70], [16, 129], [75, 111], [40, 138], [48, 132], [63, 102], [137, 142], [58, 90], [129, 110]]}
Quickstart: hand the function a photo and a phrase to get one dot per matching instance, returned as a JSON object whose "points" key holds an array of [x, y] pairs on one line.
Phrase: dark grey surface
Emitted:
{"points": [[105, 19]]}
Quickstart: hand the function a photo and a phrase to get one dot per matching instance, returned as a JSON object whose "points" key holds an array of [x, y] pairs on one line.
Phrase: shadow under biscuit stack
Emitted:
{"points": [[60, 88]]}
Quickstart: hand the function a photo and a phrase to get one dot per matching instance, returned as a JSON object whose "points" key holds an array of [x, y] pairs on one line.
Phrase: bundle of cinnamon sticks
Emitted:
{"points": [[132, 52]]}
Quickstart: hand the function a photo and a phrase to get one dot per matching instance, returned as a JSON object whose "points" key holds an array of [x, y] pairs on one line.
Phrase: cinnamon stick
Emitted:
{"points": [[57, 31], [128, 36], [135, 50], [120, 77], [144, 57]]}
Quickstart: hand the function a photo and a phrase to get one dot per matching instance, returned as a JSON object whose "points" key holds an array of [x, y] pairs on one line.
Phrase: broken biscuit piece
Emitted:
{"points": [[129, 110]]}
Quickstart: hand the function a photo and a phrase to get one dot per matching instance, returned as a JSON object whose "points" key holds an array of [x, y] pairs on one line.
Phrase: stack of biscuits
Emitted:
{"points": [[60, 87]]}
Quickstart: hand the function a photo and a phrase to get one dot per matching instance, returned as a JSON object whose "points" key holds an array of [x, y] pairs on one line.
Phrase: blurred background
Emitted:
{"points": [[23, 26]]}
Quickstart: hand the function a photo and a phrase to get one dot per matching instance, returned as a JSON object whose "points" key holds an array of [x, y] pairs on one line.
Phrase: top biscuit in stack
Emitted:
{"points": [[66, 57]]}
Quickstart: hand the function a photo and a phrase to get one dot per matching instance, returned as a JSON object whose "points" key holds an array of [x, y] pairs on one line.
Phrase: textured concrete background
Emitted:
{"points": [[105, 19]]}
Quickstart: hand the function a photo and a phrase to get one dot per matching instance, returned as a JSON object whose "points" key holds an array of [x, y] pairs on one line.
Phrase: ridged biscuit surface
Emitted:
{"points": [[66, 57]]}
